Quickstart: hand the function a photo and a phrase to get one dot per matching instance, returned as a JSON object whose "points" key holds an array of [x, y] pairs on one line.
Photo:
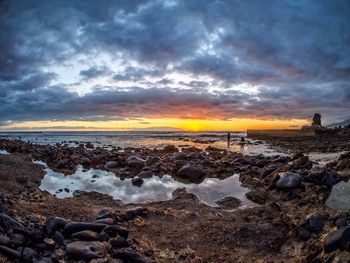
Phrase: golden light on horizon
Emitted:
{"points": [[160, 124]]}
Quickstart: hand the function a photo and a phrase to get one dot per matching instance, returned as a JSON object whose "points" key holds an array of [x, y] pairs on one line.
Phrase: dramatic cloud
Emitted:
{"points": [[110, 60]]}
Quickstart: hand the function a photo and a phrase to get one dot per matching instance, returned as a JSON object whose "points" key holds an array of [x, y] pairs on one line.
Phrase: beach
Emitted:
{"points": [[172, 203]]}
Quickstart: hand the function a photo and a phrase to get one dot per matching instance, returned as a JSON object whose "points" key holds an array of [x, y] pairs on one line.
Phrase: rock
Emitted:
{"points": [[342, 220], [4, 240], [7, 222], [107, 221], [130, 255], [316, 222], [192, 173], [304, 233], [89, 145], [137, 181], [86, 250], [338, 239], [49, 242], [18, 240], [281, 159], [54, 223], [71, 228], [288, 180], [11, 253], [58, 238], [111, 165], [229, 202], [135, 162], [339, 198], [104, 236], [86, 235], [29, 255], [119, 242], [145, 174], [115, 230], [302, 161], [85, 161], [170, 149], [152, 160], [133, 212], [104, 213], [178, 156]]}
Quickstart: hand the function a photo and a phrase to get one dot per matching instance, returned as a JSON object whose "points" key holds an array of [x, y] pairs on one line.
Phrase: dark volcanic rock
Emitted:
{"points": [[229, 202], [54, 223], [29, 255], [119, 242], [137, 181], [152, 160], [86, 250], [130, 255], [337, 240], [104, 213], [134, 212], [7, 222], [71, 228], [135, 162], [115, 230], [9, 252], [304, 233], [288, 180], [111, 165], [316, 222], [145, 174], [86, 235], [192, 173]]}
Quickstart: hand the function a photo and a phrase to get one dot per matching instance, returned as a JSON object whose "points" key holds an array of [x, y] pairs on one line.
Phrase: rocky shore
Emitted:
{"points": [[290, 223]]}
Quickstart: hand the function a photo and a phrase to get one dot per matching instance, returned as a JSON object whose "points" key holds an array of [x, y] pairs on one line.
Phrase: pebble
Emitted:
{"points": [[137, 181], [9, 252], [54, 223], [119, 242], [71, 228], [316, 222], [111, 165]]}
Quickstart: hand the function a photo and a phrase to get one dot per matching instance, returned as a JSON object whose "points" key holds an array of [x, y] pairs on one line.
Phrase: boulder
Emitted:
{"points": [[288, 180], [145, 174], [86, 250], [316, 222], [194, 174]]}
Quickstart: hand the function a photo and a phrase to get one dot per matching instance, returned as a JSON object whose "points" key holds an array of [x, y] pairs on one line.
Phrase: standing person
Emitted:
{"points": [[228, 139]]}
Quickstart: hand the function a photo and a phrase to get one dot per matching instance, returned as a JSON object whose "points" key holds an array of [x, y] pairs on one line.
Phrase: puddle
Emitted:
{"points": [[153, 189]]}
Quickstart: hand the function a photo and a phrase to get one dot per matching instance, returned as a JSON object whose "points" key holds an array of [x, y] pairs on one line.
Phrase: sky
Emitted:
{"points": [[191, 64]]}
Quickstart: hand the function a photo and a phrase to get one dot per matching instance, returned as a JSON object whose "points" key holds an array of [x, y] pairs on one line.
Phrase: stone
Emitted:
{"points": [[29, 255], [18, 240], [178, 156], [152, 160], [131, 255], [316, 222], [4, 240], [58, 238], [304, 233], [137, 181], [288, 180], [115, 230], [54, 223], [133, 212], [145, 174], [111, 165], [104, 213], [86, 250], [49, 242], [338, 239], [170, 149], [135, 162], [339, 198], [107, 221], [86, 235], [119, 242], [71, 228], [9, 252], [301, 162], [7, 222], [85, 161], [192, 173], [229, 202]]}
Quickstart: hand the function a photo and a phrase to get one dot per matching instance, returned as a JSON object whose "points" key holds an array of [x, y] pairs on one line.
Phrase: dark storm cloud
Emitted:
{"points": [[95, 72], [296, 52]]}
